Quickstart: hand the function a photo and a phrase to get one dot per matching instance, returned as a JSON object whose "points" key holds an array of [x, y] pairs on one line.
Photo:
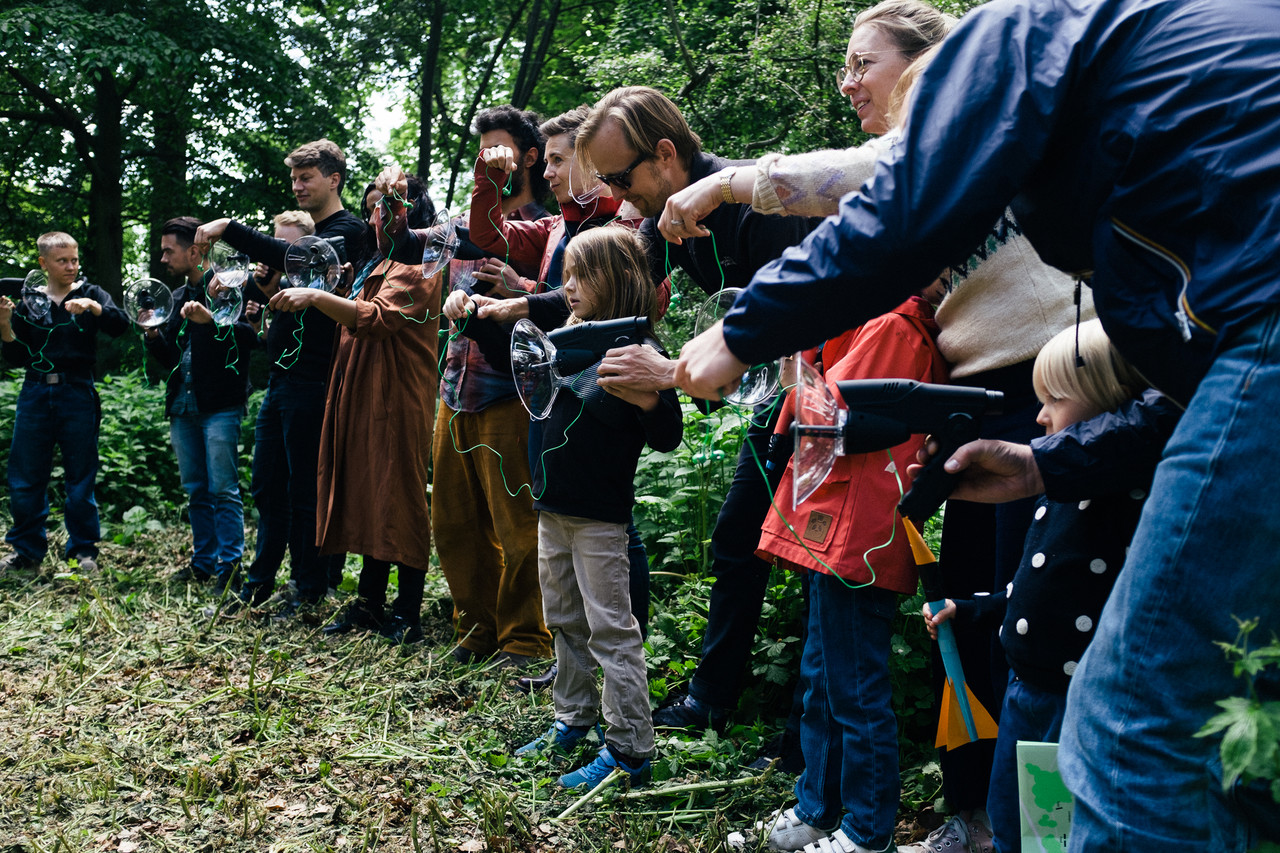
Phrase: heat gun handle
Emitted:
{"points": [[929, 490]]}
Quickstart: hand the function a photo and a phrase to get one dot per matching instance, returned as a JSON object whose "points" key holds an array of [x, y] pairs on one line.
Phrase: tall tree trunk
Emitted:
{"points": [[535, 57], [430, 78], [104, 248], [167, 172]]}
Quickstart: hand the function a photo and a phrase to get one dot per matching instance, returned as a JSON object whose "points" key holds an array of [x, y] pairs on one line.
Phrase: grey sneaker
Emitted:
{"points": [[86, 565], [17, 561], [784, 831], [951, 837]]}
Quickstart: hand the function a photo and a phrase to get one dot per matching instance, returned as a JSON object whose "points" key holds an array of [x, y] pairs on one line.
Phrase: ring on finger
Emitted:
{"points": [[677, 222]]}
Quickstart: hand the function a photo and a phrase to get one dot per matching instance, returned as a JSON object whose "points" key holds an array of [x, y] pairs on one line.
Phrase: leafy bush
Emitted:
{"points": [[1250, 727], [138, 471], [678, 494], [137, 463]]}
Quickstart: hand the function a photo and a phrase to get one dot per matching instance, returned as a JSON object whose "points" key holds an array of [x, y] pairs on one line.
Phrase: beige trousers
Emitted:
{"points": [[586, 599]]}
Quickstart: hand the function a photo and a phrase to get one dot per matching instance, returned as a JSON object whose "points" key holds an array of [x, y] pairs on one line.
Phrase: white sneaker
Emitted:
{"points": [[838, 842], [786, 833]]}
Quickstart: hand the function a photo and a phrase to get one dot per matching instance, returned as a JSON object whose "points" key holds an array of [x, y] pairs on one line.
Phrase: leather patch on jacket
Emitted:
{"points": [[818, 527]]}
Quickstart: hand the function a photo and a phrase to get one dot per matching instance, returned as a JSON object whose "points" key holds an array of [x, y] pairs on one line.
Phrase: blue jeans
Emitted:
{"points": [[66, 416], [206, 447], [1204, 554], [849, 734], [285, 451], [1029, 713]]}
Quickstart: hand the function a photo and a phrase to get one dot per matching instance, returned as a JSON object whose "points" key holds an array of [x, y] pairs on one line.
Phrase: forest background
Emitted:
{"points": [[130, 719], [175, 729], [117, 115]]}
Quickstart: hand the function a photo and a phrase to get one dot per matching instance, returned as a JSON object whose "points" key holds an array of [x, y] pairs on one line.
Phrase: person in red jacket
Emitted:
{"points": [[848, 534], [584, 203]]}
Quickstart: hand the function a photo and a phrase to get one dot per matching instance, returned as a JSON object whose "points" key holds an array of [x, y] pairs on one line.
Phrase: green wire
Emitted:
{"points": [[38, 356]]}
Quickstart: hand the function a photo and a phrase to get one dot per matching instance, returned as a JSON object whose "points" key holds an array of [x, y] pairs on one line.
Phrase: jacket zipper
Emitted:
{"points": [[1182, 311]]}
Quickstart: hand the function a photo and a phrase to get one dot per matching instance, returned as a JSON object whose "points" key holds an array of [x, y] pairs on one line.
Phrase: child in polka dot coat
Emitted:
{"points": [[1072, 554]]}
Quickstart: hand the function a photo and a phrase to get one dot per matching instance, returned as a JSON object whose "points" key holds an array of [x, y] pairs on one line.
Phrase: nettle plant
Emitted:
{"points": [[1248, 725]]}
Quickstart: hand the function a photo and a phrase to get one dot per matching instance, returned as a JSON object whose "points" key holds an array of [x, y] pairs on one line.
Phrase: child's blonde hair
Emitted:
{"points": [[299, 219], [611, 261], [51, 240], [1104, 380]]}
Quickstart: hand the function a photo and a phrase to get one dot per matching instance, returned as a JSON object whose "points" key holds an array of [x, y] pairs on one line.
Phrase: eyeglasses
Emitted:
{"points": [[856, 68], [620, 179]]}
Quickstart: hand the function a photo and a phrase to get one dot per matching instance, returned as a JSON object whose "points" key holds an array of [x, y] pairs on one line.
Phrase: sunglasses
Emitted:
{"points": [[621, 179]]}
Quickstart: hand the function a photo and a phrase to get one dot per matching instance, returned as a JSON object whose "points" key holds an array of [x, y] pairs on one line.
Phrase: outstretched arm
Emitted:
{"points": [[293, 299], [989, 471]]}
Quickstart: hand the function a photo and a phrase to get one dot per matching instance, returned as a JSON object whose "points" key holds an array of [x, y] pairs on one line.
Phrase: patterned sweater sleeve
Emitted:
{"points": [[811, 184]]}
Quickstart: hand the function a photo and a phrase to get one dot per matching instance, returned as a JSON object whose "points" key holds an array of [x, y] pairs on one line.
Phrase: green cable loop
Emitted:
{"points": [[38, 356], [866, 555], [233, 354]]}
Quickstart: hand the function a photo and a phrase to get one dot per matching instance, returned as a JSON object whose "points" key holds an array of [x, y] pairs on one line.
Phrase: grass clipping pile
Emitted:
{"points": [[133, 721]]}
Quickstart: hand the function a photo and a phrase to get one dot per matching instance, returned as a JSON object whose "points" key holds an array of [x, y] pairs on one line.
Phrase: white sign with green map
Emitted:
{"points": [[1043, 799]]}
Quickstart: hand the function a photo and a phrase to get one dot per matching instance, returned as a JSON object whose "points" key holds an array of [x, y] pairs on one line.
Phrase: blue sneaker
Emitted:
{"points": [[594, 773], [559, 740]]}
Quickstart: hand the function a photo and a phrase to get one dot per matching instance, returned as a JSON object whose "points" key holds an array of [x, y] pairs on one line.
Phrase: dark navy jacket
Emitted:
{"points": [[1135, 141], [219, 355], [741, 242]]}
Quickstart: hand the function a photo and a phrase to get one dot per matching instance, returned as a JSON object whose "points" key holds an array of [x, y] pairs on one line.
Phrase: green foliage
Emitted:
{"points": [[138, 484], [1249, 726], [112, 121], [137, 467], [96, 138], [135, 522], [679, 493]]}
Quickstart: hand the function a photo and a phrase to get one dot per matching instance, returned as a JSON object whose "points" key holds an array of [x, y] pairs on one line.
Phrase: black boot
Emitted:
{"points": [[359, 615], [530, 683]]}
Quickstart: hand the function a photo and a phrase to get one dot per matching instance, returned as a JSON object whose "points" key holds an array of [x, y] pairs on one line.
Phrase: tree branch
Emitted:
{"points": [[763, 144], [675, 28], [481, 88], [63, 117]]}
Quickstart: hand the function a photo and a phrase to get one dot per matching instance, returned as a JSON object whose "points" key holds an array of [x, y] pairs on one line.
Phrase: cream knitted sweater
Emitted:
{"points": [[1003, 304]]}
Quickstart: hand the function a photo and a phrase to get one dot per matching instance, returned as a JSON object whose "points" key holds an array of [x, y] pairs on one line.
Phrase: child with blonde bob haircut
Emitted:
{"points": [[1081, 370], [1073, 552]]}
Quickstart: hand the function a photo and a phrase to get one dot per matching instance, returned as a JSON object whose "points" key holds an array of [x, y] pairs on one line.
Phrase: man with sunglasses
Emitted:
{"points": [[637, 142]]}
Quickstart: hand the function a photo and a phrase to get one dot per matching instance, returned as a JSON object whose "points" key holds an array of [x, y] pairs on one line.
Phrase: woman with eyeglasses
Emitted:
{"points": [[990, 334]]}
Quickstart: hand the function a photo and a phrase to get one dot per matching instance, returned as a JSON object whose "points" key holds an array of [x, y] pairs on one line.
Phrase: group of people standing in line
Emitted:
{"points": [[540, 550]]}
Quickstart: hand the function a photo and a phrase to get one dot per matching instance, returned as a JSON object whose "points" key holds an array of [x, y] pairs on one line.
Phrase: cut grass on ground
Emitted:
{"points": [[132, 721]]}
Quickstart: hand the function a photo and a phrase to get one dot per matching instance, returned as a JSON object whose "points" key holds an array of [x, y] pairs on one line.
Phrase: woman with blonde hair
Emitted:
{"points": [[1003, 304]]}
